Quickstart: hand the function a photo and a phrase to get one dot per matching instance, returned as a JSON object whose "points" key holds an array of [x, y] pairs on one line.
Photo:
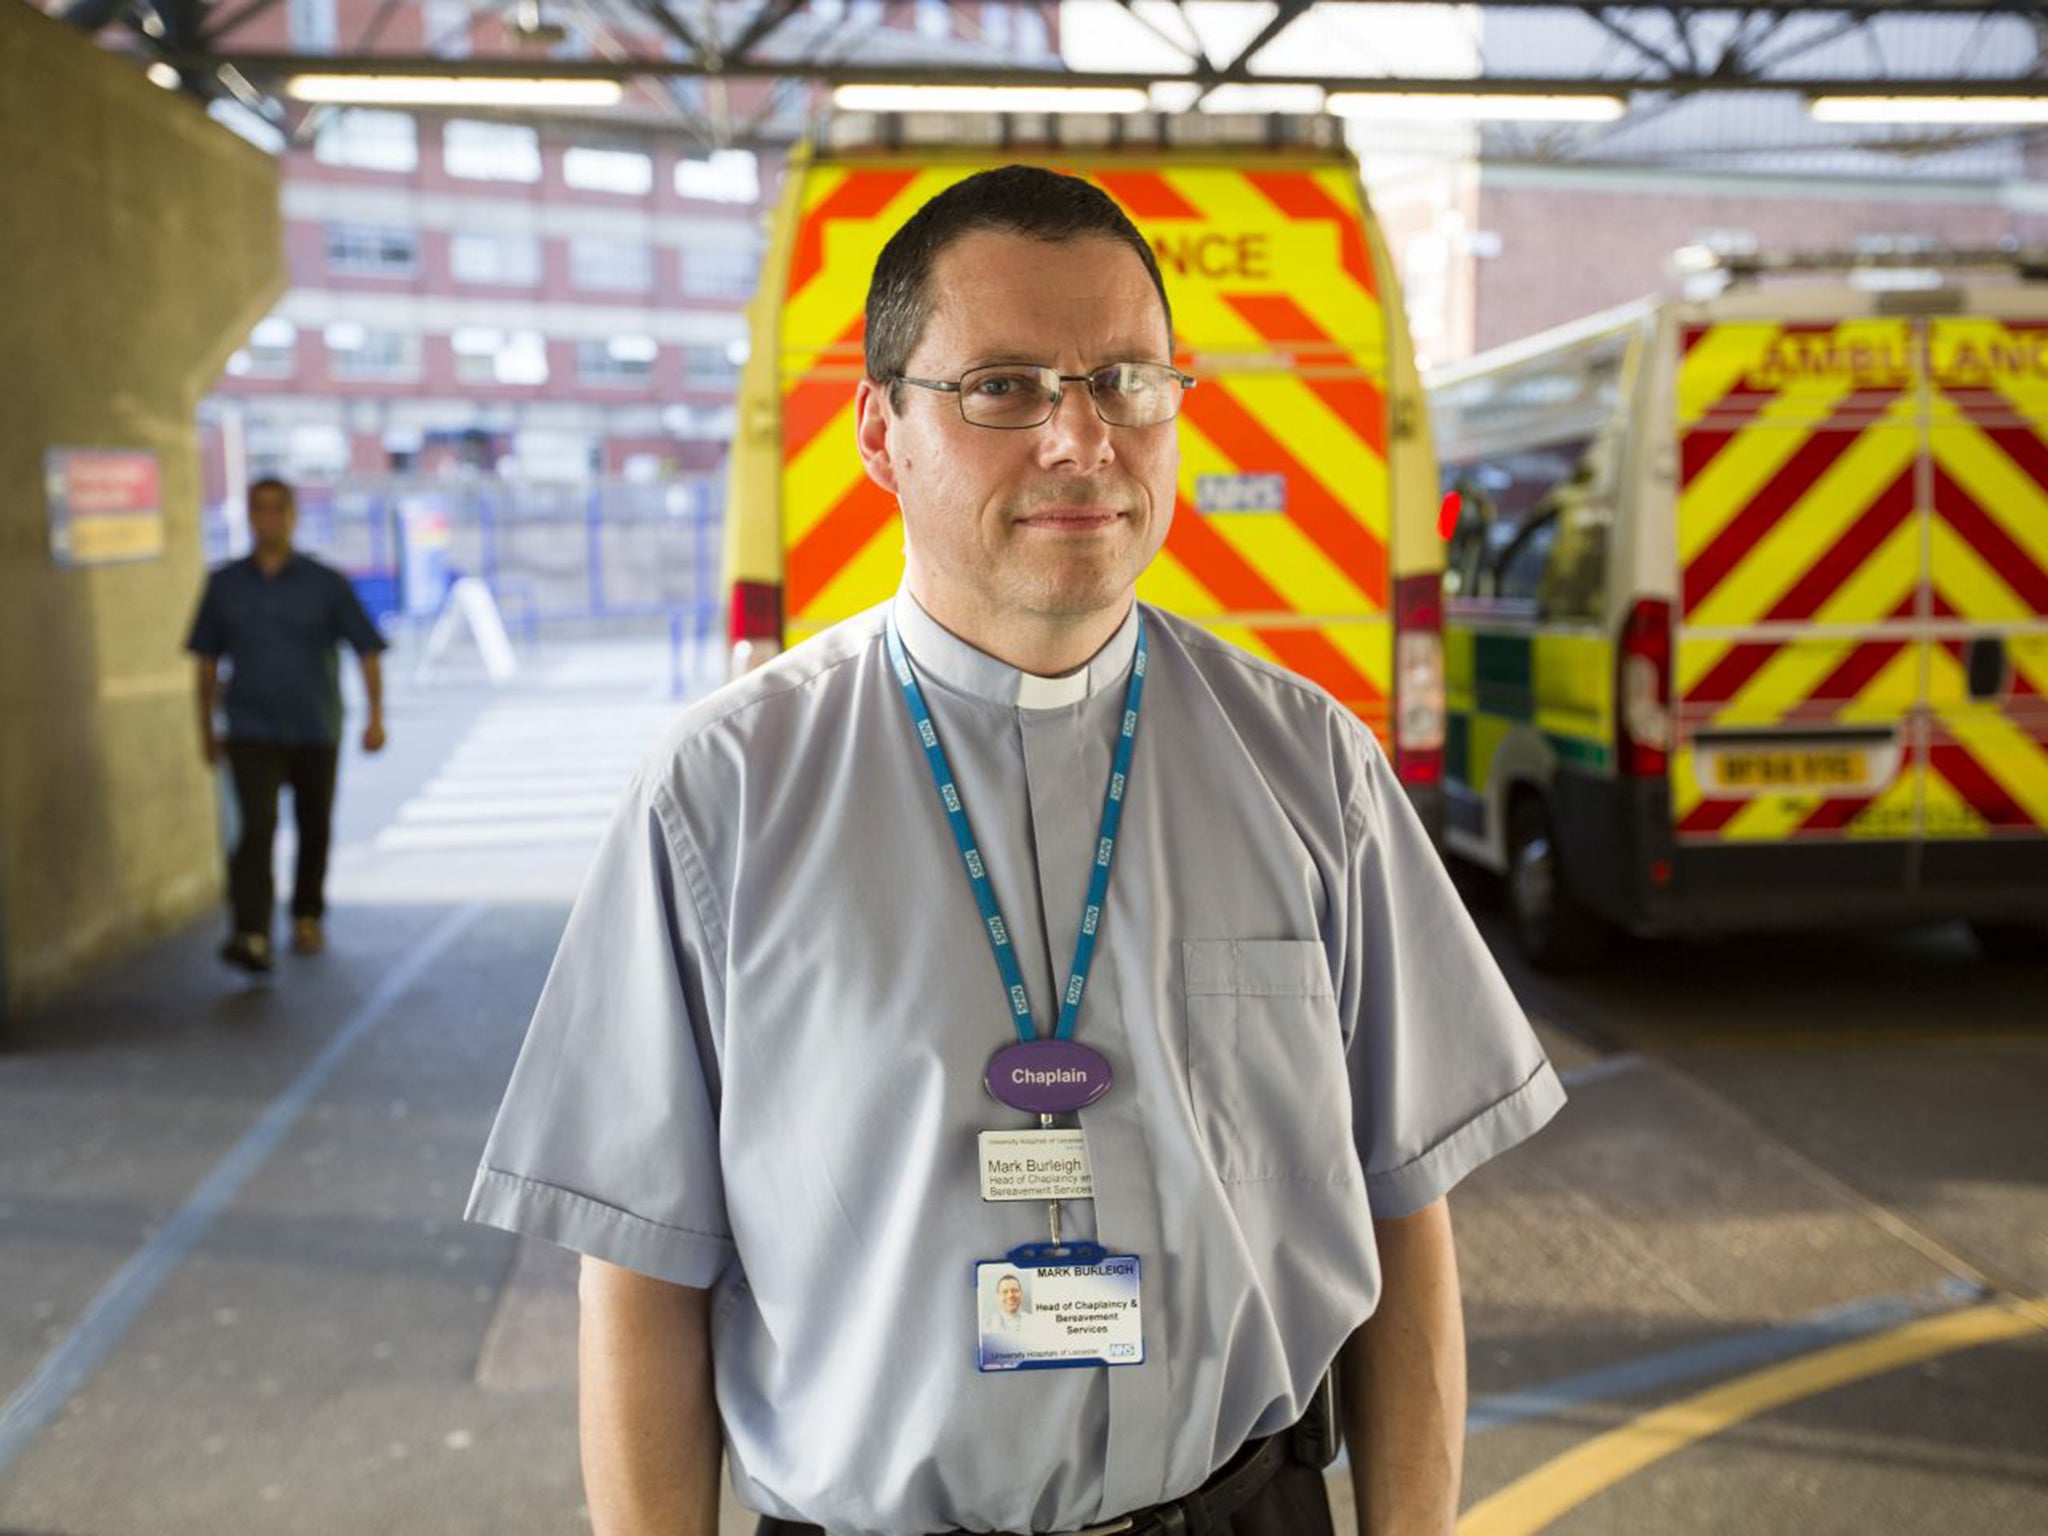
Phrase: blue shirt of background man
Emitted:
{"points": [[278, 634]]}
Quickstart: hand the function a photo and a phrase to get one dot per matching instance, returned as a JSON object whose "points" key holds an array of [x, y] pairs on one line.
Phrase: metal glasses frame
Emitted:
{"points": [[954, 388]]}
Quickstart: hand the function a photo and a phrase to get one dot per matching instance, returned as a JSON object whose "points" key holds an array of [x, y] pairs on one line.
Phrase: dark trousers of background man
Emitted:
{"points": [[260, 769]]}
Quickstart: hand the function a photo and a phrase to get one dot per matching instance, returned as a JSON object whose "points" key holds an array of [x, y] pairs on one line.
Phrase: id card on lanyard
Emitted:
{"points": [[1090, 1314]]}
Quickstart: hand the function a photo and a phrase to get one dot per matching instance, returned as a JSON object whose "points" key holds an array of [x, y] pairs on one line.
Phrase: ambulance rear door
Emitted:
{"points": [[1985, 796], [1801, 551]]}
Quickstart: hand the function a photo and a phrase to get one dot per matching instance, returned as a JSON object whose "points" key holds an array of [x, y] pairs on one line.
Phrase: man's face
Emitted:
{"points": [[1052, 522], [271, 519], [1009, 1295]]}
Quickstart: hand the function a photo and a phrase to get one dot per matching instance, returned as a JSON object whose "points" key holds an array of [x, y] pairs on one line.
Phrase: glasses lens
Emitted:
{"points": [[1007, 396], [1136, 394]]}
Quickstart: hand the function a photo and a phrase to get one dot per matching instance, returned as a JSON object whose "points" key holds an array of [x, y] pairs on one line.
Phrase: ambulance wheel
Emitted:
{"points": [[2011, 943], [1554, 928]]}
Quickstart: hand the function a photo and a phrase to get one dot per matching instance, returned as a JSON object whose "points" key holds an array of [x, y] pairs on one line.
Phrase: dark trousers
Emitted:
{"points": [[1294, 1503], [260, 769]]}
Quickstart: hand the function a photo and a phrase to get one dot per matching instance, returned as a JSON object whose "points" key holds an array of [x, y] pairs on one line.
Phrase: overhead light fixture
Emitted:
{"points": [[1476, 107], [1928, 109], [997, 98], [452, 91], [1250, 96]]}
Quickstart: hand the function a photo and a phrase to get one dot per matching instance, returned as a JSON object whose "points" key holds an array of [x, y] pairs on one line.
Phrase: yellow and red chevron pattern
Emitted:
{"points": [[1988, 569], [1277, 311], [1836, 549]]}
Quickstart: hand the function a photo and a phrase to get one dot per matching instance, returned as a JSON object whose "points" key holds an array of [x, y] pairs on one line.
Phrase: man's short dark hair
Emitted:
{"points": [[1022, 200], [272, 483]]}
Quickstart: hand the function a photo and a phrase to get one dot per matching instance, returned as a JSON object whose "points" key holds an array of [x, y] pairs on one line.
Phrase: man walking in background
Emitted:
{"points": [[276, 616]]}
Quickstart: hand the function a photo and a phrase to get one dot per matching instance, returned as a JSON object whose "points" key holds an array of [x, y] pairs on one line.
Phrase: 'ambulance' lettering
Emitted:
{"points": [[1794, 358], [1213, 255], [1980, 361]]}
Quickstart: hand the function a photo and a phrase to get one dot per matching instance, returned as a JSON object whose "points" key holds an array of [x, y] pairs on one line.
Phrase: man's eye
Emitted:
{"points": [[1000, 385]]}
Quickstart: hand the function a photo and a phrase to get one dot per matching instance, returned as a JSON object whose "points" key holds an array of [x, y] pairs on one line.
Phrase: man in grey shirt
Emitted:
{"points": [[777, 1084]]}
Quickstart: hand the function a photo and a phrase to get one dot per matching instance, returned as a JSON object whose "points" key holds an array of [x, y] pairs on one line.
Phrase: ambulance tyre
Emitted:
{"points": [[2011, 943], [1554, 928]]}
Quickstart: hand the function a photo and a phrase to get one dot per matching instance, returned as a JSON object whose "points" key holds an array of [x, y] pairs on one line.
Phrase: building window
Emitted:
{"points": [[828, 10], [446, 25], [709, 367], [611, 266], [309, 452], [487, 356], [312, 25], [618, 360], [867, 13], [1034, 38], [490, 151], [372, 250], [721, 271], [361, 353], [625, 171], [728, 176], [272, 351], [995, 23], [368, 141], [933, 20], [510, 260]]}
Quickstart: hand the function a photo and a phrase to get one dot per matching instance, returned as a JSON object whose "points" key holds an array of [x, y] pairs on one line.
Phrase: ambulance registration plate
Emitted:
{"points": [[1799, 768]]}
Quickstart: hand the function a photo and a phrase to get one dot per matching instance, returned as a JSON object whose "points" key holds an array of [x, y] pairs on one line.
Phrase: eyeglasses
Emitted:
{"points": [[1012, 397]]}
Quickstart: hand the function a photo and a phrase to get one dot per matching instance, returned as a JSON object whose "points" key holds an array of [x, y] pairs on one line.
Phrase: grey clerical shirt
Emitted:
{"points": [[757, 1063]]}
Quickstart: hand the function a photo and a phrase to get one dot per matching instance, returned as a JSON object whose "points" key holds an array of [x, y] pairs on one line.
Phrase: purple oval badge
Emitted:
{"points": [[1048, 1077]]}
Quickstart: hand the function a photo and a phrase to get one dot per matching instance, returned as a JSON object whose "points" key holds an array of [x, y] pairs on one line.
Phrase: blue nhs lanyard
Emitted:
{"points": [[977, 868]]}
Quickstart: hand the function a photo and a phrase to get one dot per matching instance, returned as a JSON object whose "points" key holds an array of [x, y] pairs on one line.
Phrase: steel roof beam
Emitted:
{"points": [[271, 66]]}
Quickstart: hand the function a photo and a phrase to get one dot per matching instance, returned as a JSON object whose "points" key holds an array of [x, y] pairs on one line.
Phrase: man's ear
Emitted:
{"points": [[871, 423]]}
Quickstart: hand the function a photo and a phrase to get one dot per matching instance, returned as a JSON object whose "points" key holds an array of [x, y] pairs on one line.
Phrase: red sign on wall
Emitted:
{"points": [[106, 505]]}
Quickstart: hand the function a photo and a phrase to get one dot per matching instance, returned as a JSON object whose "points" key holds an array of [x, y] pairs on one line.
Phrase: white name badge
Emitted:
{"points": [[1035, 1165], [1059, 1316]]}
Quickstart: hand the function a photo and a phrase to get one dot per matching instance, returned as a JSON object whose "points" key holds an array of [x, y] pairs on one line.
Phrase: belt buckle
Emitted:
{"points": [[1113, 1528]]}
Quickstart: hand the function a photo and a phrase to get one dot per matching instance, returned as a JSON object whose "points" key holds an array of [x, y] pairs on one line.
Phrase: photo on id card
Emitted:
{"points": [[1049, 1317]]}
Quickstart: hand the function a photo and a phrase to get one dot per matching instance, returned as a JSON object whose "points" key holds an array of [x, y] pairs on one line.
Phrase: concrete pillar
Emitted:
{"points": [[139, 241]]}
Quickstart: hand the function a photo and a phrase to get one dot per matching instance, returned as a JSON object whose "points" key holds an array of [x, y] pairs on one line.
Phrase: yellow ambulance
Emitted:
{"points": [[1746, 609], [1304, 528]]}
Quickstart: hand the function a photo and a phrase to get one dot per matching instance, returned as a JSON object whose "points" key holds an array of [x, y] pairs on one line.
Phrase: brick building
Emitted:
{"points": [[545, 299]]}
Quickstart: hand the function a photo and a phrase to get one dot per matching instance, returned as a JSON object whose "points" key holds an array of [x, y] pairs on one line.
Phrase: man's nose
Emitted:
{"points": [[1076, 433]]}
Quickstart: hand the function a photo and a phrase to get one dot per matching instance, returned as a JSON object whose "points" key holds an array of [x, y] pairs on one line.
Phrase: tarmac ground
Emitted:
{"points": [[1781, 1265]]}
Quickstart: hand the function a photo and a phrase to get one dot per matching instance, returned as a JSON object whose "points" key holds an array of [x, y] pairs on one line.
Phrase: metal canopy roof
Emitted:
{"points": [[1664, 57]]}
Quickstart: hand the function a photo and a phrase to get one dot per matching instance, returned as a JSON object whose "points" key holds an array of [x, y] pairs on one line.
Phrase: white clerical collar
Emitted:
{"points": [[941, 654]]}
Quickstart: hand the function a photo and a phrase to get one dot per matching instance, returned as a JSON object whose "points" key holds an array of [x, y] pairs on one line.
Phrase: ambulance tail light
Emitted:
{"points": [[1418, 680], [1645, 691], [756, 625]]}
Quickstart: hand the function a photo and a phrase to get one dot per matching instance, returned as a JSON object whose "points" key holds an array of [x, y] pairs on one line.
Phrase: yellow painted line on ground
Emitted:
{"points": [[1546, 1495]]}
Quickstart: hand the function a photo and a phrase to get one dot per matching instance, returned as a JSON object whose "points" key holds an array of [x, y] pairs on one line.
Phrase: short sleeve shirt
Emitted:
{"points": [[757, 1063], [278, 634]]}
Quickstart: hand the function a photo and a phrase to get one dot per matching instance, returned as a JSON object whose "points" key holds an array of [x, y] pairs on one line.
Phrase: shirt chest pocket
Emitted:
{"points": [[1266, 1067]]}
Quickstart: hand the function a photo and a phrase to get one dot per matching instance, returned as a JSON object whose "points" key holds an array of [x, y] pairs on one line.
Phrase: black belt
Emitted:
{"points": [[1209, 1508]]}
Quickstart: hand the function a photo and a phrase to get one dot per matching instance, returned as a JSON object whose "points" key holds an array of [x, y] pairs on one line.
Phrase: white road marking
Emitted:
{"points": [[416, 839], [543, 807]]}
